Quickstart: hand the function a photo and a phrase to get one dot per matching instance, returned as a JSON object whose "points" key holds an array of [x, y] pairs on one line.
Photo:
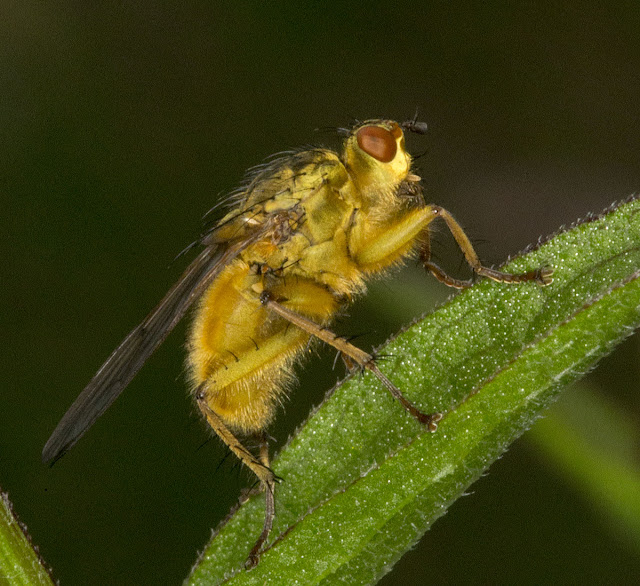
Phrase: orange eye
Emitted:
{"points": [[377, 142]]}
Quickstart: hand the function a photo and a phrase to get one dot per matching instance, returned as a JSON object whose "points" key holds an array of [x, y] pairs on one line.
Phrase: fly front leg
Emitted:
{"points": [[375, 249], [259, 466], [435, 270], [352, 353], [541, 276]]}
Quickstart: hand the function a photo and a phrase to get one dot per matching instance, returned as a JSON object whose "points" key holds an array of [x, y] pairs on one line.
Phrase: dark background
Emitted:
{"points": [[121, 125]]}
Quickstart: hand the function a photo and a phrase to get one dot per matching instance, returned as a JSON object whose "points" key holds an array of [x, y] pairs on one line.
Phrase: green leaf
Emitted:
{"points": [[19, 562], [363, 480]]}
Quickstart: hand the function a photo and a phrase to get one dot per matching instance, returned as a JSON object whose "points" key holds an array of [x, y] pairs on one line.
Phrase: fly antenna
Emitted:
{"points": [[414, 125]]}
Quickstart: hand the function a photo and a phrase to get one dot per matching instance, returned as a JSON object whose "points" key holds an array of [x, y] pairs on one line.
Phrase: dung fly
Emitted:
{"points": [[298, 243]]}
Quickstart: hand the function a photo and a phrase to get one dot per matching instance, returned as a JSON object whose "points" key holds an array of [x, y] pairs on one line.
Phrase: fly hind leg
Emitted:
{"points": [[270, 505], [259, 466]]}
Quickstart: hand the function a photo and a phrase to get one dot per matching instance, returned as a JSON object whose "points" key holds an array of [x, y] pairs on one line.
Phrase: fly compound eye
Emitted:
{"points": [[378, 142]]}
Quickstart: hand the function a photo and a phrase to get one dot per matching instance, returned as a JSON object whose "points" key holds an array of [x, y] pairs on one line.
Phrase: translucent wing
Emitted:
{"points": [[127, 359]]}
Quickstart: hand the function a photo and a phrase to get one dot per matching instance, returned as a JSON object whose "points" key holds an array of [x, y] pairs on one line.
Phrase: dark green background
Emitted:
{"points": [[121, 125]]}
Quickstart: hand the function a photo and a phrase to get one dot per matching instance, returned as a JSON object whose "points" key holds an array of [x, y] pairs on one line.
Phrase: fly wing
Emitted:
{"points": [[127, 359]]}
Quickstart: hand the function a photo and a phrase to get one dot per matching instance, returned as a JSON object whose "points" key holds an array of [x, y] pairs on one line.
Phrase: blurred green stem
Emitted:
{"points": [[603, 470]]}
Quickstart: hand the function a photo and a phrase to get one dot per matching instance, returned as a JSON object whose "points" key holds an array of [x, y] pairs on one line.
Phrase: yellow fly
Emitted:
{"points": [[301, 239]]}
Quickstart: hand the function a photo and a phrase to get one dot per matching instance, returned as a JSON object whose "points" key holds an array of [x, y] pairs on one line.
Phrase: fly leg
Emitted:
{"points": [[541, 276], [353, 354], [436, 271], [269, 506], [259, 466]]}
